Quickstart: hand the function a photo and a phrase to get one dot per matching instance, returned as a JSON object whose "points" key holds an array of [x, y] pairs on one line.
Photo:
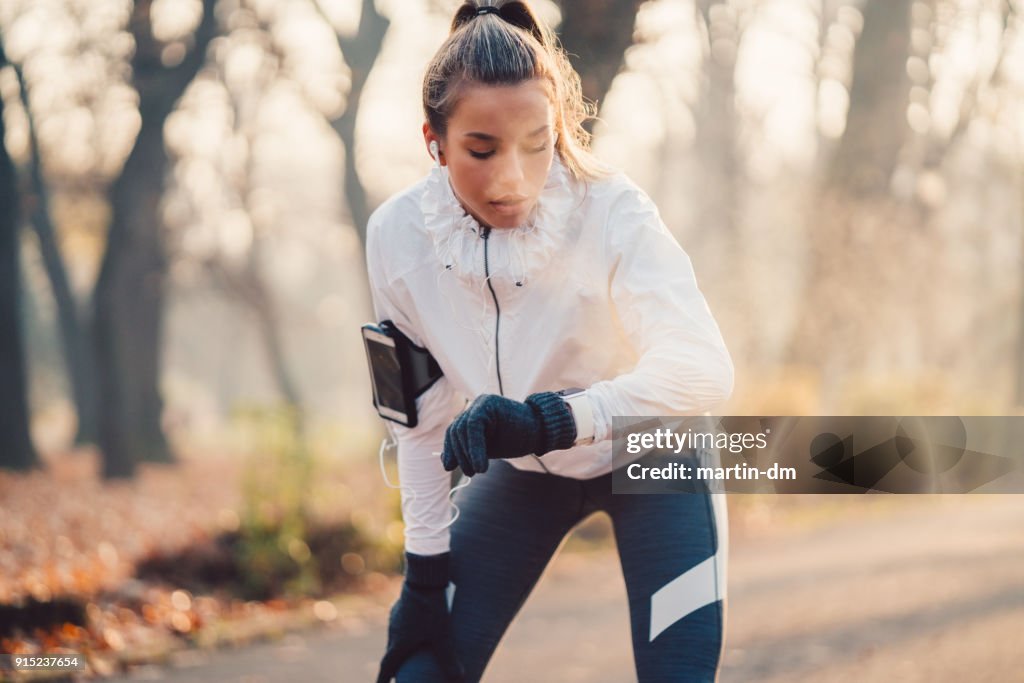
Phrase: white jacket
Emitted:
{"points": [[592, 292]]}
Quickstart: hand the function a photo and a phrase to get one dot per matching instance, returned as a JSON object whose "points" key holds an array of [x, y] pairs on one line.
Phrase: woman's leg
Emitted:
{"points": [[510, 525], [673, 549]]}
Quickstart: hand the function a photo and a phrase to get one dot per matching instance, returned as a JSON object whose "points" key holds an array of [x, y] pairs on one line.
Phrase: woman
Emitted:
{"points": [[553, 297]]}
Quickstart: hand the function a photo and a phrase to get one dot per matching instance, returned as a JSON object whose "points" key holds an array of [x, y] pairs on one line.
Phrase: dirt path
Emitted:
{"points": [[931, 590]]}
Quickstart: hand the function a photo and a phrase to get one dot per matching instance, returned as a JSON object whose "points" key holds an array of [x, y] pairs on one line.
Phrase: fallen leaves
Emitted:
{"points": [[66, 532], [70, 546]]}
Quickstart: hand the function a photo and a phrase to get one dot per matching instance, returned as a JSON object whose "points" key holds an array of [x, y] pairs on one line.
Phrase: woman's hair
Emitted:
{"points": [[506, 45]]}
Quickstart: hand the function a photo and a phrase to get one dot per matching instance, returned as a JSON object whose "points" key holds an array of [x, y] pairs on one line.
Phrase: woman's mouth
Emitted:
{"points": [[508, 207]]}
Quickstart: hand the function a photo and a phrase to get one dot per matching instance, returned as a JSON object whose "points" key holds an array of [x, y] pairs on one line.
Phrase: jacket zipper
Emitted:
{"points": [[485, 233]]}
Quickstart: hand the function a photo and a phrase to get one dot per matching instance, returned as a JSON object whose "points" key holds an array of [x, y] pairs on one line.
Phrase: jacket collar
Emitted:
{"points": [[514, 254]]}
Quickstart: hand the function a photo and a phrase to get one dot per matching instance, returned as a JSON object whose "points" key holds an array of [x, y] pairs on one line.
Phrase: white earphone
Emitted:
{"points": [[409, 493], [435, 152]]}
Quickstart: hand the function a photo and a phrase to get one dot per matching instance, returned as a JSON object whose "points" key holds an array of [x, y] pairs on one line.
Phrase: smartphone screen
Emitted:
{"points": [[387, 375]]}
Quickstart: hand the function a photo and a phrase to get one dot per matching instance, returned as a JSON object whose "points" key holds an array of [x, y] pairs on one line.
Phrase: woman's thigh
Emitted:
{"points": [[510, 525], [673, 549]]}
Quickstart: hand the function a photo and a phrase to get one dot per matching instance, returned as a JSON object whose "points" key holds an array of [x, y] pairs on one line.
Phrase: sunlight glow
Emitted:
{"points": [[175, 19]]}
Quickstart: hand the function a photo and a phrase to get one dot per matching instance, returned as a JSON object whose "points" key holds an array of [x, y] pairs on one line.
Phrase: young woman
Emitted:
{"points": [[553, 298]]}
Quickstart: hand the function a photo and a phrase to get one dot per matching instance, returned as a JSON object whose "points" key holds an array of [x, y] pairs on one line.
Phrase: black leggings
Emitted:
{"points": [[672, 547]]}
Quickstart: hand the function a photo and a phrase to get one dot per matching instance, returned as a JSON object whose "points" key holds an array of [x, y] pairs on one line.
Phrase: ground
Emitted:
{"points": [[917, 589]]}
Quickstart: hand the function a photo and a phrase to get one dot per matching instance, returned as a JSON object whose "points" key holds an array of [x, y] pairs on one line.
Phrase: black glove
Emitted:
{"points": [[420, 619], [497, 427]]}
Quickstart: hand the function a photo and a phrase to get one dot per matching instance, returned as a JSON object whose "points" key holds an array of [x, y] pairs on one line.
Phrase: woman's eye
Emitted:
{"points": [[540, 149], [481, 155]]}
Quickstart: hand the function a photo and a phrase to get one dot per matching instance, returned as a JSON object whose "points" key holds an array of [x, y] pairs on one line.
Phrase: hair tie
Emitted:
{"points": [[487, 9]]}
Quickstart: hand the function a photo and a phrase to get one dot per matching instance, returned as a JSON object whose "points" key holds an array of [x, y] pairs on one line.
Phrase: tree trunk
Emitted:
{"points": [[1019, 388], [360, 53], [247, 285], [596, 34], [75, 333], [129, 303], [247, 282], [270, 333], [854, 196], [16, 450], [718, 189], [876, 125], [129, 293]]}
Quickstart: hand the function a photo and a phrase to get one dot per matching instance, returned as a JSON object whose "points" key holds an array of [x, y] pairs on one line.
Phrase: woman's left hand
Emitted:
{"points": [[498, 427]]}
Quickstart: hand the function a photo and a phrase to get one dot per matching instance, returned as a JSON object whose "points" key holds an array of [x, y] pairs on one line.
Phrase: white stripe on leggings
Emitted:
{"points": [[698, 586]]}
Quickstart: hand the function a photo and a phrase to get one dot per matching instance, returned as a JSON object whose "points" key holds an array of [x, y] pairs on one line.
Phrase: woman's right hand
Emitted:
{"points": [[420, 619], [498, 427]]}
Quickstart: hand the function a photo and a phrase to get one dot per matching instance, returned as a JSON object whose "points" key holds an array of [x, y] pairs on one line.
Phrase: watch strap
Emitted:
{"points": [[582, 414]]}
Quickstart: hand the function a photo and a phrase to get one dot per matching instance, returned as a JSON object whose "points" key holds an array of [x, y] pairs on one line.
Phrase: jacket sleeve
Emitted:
{"points": [[424, 482], [683, 366]]}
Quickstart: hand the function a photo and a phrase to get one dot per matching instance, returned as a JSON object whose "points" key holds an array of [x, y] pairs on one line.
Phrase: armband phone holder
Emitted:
{"points": [[400, 371]]}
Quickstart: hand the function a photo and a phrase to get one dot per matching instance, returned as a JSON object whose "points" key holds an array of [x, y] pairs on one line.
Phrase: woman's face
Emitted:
{"points": [[498, 150]]}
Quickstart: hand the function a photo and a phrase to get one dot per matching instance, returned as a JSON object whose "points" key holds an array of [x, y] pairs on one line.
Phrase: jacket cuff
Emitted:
{"points": [[427, 571], [556, 419]]}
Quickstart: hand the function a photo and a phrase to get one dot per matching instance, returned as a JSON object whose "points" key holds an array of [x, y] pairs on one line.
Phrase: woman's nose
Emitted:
{"points": [[511, 174]]}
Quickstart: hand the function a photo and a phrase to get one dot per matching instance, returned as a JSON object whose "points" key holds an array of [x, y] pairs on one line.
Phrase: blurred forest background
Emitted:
{"points": [[185, 184]]}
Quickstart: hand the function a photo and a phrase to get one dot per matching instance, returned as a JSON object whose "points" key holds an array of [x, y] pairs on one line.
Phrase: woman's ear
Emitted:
{"points": [[433, 145]]}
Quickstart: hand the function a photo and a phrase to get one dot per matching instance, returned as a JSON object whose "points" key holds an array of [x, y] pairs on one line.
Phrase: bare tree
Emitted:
{"points": [[129, 293], [716, 120], [16, 449], [596, 35], [75, 330], [1018, 393], [360, 52], [876, 123], [246, 282], [852, 204]]}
